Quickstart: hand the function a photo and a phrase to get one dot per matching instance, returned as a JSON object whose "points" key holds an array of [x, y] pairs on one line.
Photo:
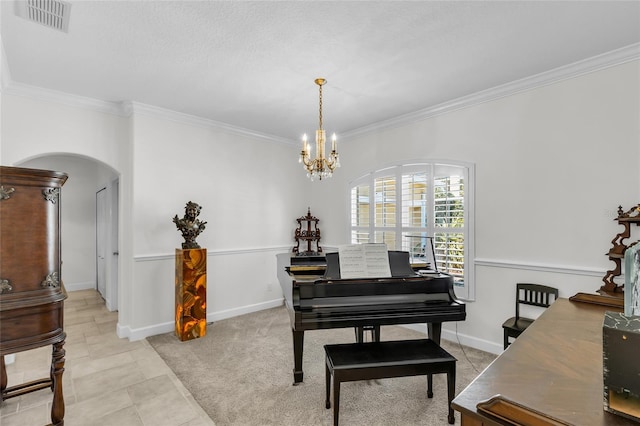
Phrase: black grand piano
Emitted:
{"points": [[317, 298]]}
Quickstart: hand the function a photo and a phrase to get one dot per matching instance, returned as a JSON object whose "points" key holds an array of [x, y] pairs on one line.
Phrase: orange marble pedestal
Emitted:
{"points": [[191, 293]]}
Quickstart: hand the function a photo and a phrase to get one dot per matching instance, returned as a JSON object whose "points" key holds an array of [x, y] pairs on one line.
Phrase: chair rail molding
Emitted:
{"points": [[541, 267], [211, 253]]}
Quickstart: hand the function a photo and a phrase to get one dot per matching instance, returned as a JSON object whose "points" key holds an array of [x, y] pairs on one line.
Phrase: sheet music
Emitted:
{"points": [[364, 261]]}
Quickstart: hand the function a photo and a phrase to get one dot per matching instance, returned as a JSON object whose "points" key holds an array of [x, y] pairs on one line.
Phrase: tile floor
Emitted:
{"points": [[107, 380]]}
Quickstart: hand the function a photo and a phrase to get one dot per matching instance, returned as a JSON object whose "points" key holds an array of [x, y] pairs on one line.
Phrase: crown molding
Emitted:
{"points": [[129, 108], [179, 117], [596, 63], [75, 101]]}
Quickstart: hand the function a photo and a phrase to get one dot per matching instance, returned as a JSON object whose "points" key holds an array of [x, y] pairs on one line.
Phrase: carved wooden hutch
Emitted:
{"points": [[31, 291], [309, 234], [616, 253]]}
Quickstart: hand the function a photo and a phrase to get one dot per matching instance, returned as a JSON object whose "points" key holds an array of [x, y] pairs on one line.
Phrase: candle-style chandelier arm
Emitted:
{"points": [[321, 166]]}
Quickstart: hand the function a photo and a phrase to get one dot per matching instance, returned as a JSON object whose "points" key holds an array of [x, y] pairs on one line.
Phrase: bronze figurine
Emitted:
{"points": [[189, 225]]}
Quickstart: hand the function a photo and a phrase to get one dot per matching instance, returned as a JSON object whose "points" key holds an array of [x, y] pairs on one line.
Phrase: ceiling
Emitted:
{"points": [[252, 64]]}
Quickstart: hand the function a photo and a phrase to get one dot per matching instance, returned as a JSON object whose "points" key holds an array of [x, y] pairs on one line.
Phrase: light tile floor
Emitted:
{"points": [[107, 380]]}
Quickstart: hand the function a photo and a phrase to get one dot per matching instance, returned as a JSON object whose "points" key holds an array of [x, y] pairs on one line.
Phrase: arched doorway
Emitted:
{"points": [[89, 228]]}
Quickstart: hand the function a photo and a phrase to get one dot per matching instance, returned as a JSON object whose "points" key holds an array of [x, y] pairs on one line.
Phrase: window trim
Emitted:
{"points": [[466, 292]]}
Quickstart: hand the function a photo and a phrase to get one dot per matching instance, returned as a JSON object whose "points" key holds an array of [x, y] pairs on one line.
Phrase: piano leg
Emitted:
{"points": [[434, 330], [298, 346], [374, 329]]}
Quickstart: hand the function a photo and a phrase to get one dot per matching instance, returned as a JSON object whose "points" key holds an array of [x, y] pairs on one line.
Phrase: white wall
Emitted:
{"points": [[251, 190], [31, 127], [552, 166], [37, 123], [163, 162]]}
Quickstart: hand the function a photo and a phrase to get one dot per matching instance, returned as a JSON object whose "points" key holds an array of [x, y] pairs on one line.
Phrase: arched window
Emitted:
{"points": [[417, 206]]}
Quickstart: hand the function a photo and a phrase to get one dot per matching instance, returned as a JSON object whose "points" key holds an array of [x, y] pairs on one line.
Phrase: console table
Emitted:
{"points": [[552, 373]]}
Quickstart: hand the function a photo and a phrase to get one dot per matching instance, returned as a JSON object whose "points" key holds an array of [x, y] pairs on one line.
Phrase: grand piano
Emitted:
{"points": [[317, 298]]}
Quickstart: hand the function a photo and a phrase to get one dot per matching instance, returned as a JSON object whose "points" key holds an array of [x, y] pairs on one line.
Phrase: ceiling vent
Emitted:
{"points": [[50, 13]]}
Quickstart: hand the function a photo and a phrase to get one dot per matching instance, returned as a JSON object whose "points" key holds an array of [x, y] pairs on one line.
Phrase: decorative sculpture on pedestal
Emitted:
{"points": [[189, 225], [191, 277]]}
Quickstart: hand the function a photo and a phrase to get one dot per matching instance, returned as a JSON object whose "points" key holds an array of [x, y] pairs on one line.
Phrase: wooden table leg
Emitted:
{"points": [[57, 368]]}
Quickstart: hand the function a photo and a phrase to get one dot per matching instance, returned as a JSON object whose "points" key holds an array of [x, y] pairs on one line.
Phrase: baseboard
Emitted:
{"points": [[236, 312], [472, 342], [134, 334], [463, 339], [89, 285], [109, 305]]}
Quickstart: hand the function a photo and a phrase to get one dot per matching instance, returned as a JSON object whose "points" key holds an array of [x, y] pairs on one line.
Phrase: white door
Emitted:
{"points": [[101, 242], [112, 298]]}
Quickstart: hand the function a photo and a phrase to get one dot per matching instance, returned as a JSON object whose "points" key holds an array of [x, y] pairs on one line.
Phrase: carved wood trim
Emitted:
{"points": [[51, 280], [598, 299], [5, 194], [513, 413], [5, 286], [51, 194]]}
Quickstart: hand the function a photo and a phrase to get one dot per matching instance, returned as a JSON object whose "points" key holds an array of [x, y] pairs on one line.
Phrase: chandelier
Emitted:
{"points": [[319, 167]]}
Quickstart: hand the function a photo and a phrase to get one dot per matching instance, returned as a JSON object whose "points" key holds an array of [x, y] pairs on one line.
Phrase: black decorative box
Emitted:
{"points": [[621, 363]]}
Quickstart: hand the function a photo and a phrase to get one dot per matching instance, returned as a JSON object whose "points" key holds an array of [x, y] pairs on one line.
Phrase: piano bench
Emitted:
{"points": [[380, 360]]}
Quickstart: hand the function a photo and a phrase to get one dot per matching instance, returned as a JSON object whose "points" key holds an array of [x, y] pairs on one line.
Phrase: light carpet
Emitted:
{"points": [[241, 373]]}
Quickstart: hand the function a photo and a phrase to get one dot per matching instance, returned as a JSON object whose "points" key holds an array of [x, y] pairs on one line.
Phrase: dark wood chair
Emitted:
{"points": [[527, 294]]}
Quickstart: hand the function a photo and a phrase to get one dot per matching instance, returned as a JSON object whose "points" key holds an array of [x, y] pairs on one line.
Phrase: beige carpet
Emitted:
{"points": [[241, 374]]}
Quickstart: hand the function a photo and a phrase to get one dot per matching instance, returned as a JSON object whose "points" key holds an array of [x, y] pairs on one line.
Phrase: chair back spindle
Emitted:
{"points": [[527, 294]]}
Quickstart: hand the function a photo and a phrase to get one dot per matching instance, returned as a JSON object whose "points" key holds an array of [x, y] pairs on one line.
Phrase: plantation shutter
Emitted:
{"points": [[360, 213], [414, 206], [449, 222], [385, 211]]}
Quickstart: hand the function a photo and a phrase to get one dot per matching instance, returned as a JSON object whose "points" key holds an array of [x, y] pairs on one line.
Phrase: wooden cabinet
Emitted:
{"points": [[31, 291]]}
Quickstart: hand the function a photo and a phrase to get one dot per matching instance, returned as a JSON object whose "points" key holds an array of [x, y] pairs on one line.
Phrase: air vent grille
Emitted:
{"points": [[50, 13]]}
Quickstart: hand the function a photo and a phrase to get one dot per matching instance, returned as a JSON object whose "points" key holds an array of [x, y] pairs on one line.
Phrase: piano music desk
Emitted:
{"points": [[380, 360]]}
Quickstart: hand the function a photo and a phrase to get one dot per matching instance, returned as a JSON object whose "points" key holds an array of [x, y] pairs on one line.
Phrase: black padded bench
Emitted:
{"points": [[379, 360]]}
